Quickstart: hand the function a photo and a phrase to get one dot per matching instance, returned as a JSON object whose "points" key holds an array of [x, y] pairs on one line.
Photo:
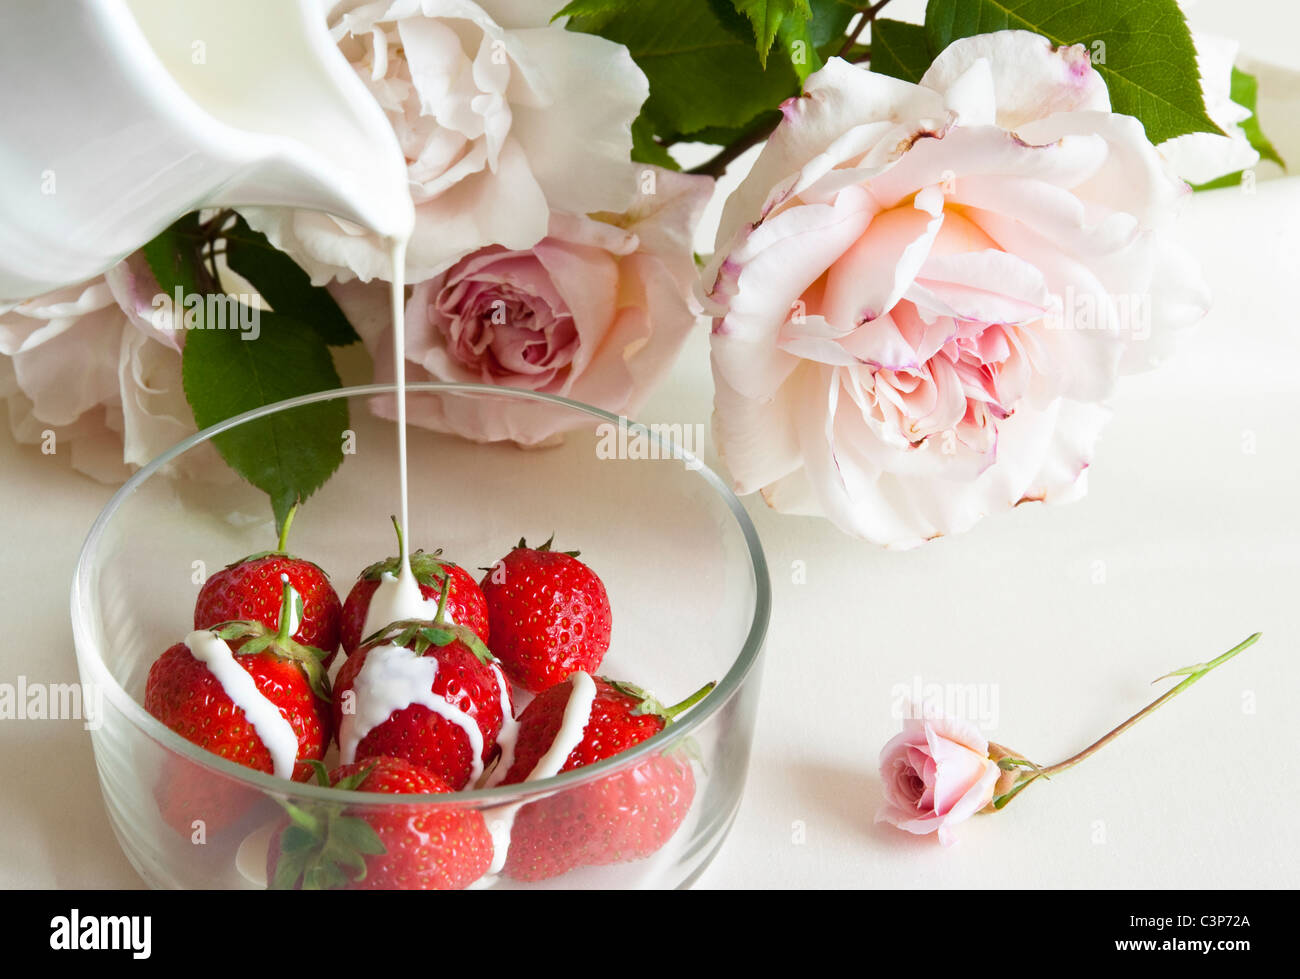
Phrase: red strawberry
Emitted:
{"points": [[462, 679], [249, 590], [186, 692], [625, 816], [549, 616], [367, 848], [198, 803], [465, 603], [619, 818]]}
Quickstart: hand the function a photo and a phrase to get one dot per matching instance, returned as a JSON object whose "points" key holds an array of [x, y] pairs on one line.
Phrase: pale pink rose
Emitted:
{"points": [[503, 116], [924, 293], [596, 311], [90, 365], [936, 774]]}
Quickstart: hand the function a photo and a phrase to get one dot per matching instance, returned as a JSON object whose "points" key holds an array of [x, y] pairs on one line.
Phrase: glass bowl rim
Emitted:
{"points": [[133, 711]]}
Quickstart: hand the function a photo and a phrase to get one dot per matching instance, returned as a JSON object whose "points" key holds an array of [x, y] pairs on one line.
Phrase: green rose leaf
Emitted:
{"points": [[789, 18], [1245, 92], [285, 286], [800, 47], [646, 149], [899, 50], [227, 369], [770, 17], [700, 59], [291, 454], [830, 20], [589, 8], [173, 257], [1143, 51], [808, 43]]}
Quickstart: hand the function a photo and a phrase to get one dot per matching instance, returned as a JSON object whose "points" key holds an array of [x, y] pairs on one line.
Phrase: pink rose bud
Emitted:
{"points": [[936, 773], [940, 770]]}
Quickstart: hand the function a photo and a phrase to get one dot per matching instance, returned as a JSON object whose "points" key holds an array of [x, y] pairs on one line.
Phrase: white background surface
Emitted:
{"points": [[1188, 541]]}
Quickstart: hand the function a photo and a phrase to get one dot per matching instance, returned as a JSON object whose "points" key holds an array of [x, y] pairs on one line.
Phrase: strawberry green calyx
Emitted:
{"points": [[649, 705], [261, 639], [523, 545], [429, 568], [258, 638], [264, 554], [320, 771], [351, 782], [323, 848], [420, 635]]}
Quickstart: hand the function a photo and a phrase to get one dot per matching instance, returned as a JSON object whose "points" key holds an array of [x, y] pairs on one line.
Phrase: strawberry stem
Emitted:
{"points": [[286, 609], [438, 617], [672, 712], [281, 547], [401, 544], [544, 548]]}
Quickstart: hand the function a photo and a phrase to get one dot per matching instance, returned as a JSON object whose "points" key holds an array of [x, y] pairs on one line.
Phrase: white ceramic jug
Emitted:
{"points": [[118, 116]]}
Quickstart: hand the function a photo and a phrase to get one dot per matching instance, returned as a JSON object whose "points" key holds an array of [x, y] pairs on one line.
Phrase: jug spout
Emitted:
{"points": [[302, 127], [148, 109]]}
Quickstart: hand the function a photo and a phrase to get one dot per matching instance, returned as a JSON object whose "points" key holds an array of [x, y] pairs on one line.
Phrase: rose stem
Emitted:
{"points": [[1192, 674], [867, 16]]}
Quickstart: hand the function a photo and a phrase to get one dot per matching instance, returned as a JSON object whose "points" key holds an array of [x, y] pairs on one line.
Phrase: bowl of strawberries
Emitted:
{"points": [[547, 676]]}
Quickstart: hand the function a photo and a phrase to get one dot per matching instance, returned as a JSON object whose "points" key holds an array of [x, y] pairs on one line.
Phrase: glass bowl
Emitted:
{"points": [[686, 577]]}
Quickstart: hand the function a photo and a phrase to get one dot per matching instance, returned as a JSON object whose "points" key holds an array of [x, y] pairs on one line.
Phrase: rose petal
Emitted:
{"points": [[1030, 78]]}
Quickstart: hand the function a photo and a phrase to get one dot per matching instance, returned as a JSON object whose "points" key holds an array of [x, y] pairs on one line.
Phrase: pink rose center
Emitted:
{"points": [[909, 783], [504, 318], [947, 356]]}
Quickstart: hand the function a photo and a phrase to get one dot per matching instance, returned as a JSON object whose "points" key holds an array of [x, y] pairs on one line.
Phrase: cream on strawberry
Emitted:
{"points": [[398, 597], [408, 587], [509, 733], [625, 815], [577, 712], [391, 679], [276, 732]]}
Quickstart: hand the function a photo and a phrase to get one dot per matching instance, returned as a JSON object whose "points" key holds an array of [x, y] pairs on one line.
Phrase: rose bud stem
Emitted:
{"points": [[1019, 773]]}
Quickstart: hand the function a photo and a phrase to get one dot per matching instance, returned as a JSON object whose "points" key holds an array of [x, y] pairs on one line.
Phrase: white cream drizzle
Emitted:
{"points": [[272, 727], [398, 598], [577, 714], [509, 733], [392, 678]]}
